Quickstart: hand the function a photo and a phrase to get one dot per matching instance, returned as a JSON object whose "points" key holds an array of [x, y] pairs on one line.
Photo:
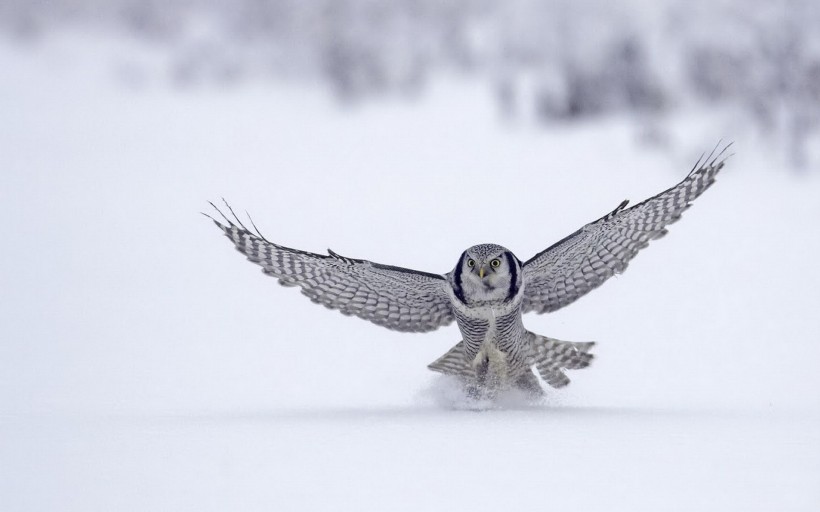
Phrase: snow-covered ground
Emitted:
{"points": [[144, 365]]}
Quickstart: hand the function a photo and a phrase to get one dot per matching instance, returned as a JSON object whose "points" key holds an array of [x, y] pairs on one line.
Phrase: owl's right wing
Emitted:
{"points": [[397, 298], [585, 259]]}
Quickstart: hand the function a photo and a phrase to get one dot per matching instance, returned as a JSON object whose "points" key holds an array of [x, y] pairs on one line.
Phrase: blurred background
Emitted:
{"points": [[145, 366], [753, 65]]}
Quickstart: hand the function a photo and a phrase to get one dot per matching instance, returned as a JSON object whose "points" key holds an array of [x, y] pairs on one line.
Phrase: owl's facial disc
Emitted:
{"points": [[485, 274], [485, 269]]}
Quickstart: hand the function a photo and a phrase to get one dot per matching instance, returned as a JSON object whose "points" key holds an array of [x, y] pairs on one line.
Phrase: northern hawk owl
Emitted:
{"points": [[488, 290]]}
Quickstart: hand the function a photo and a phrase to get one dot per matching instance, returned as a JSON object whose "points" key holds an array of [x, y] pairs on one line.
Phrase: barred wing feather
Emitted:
{"points": [[582, 261], [397, 298]]}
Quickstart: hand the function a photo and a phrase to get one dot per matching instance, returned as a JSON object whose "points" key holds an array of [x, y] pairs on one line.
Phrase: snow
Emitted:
{"points": [[145, 366]]}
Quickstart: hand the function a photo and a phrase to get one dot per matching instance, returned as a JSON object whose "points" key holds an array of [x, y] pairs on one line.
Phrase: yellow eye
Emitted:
{"points": [[471, 263], [495, 263]]}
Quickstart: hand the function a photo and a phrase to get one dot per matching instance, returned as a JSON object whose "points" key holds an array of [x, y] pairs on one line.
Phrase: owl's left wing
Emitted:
{"points": [[397, 298], [585, 259]]}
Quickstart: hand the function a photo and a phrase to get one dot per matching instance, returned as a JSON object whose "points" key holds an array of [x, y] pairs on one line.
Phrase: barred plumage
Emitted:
{"points": [[397, 298], [488, 290], [585, 259]]}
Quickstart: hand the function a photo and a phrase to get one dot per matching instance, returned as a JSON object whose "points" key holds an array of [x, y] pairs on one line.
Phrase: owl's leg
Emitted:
{"points": [[529, 384], [474, 391], [485, 384]]}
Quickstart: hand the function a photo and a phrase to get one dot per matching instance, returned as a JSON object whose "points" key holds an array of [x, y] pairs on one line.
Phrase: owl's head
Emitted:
{"points": [[487, 273]]}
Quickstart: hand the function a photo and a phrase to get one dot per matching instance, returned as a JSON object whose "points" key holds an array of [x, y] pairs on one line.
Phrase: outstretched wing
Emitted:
{"points": [[397, 298], [585, 259]]}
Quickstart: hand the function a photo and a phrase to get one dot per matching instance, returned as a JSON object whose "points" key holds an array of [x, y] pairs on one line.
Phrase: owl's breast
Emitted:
{"points": [[495, 327]]}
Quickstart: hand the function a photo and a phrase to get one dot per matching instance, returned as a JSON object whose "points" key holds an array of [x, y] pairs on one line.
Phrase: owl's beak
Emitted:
{"points": [[481, 272]]}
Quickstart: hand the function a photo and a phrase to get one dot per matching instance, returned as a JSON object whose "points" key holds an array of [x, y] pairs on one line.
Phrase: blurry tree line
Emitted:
{"points": [[546, 60]]}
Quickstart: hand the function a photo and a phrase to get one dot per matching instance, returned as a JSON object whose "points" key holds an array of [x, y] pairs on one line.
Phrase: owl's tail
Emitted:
{"points": [[551, 357], [453, 363]]}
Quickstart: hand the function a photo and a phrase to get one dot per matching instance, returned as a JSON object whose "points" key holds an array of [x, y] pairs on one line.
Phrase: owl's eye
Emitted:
{"points": [[495, 263], [471, 263]]}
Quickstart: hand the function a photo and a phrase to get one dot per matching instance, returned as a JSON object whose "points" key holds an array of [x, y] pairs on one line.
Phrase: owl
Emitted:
{"points": [[487, 292]]}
